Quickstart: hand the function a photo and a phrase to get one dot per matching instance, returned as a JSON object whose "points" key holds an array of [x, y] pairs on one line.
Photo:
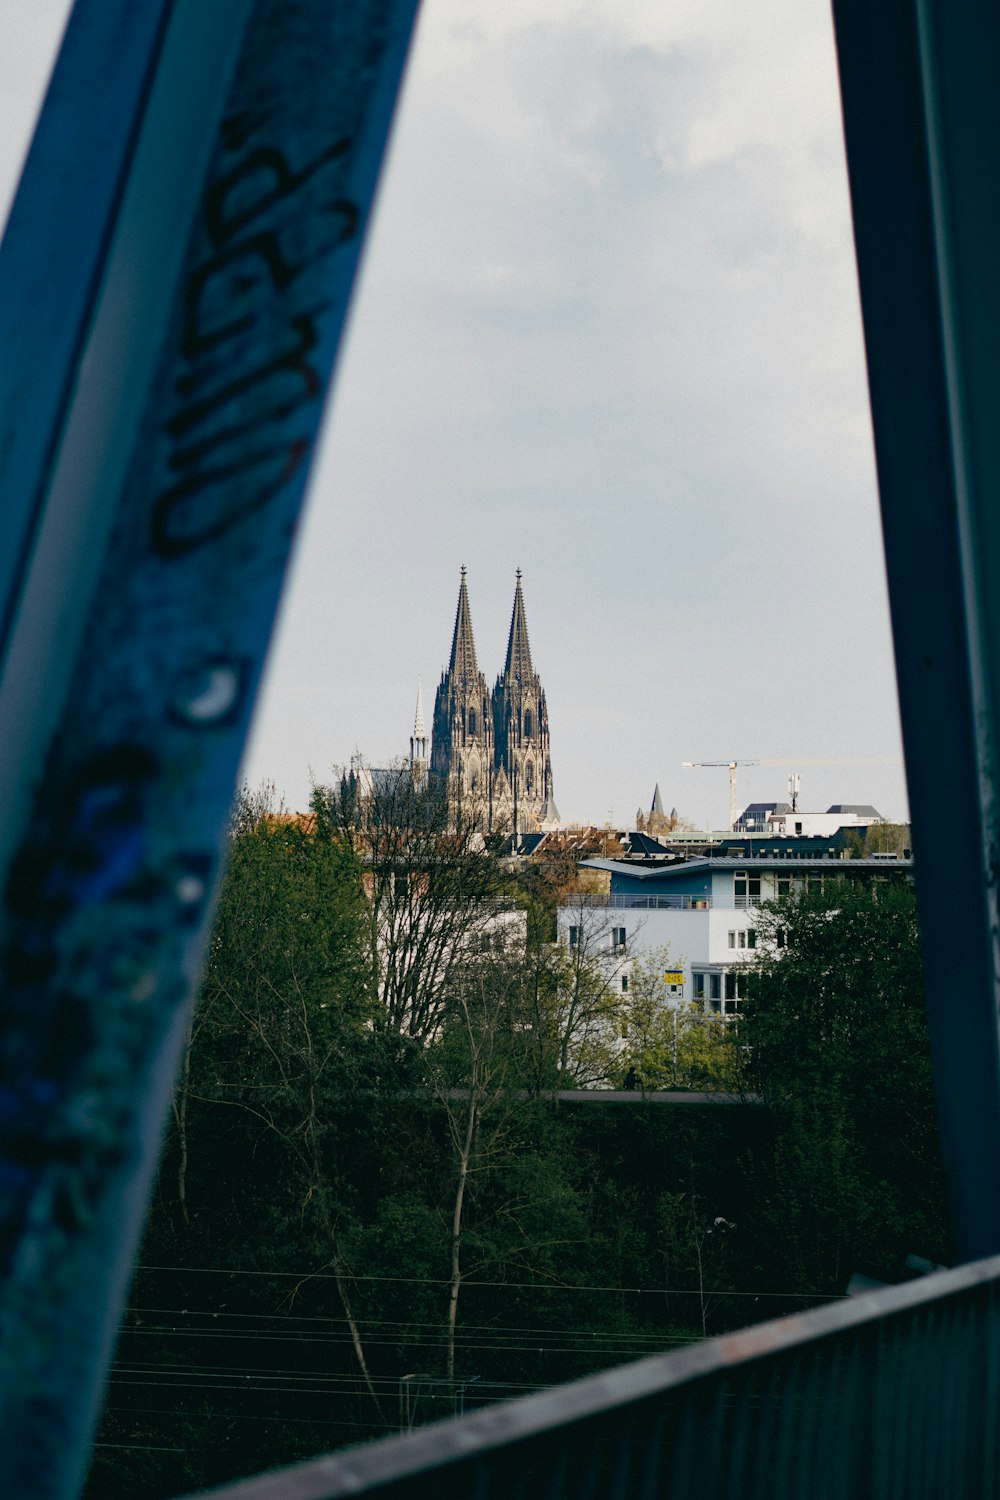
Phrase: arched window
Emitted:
{"points": [[527, 722], [529, 776], [472, 721]]}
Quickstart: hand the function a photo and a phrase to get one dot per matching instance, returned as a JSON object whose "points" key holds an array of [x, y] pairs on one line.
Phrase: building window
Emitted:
{"points": [[574, 937], [780, 937], [472, 721], [624, 983], [747, 938], [732, 940], [529, 776], [736, 986], [698, 986], [746, 887], [527, 723], [715, 988], [618, 936], [784, 885]]}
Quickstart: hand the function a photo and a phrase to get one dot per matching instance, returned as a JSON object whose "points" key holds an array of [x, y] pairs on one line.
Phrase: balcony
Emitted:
{"points": [[636, 901], [639, 901]]}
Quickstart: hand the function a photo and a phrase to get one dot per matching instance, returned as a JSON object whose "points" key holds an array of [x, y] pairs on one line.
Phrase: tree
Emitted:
{"points": [[833, 1039], [878, 838], [285, 1006], [672, 1045], [478, 1073], [435, 892], [585, 1000]]}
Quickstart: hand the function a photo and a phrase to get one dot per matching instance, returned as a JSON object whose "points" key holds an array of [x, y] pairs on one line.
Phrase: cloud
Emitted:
{"points": [[607, 330]]}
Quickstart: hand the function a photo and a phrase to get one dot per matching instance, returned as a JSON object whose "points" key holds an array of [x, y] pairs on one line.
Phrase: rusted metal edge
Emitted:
{"points": [[396, 1459]]}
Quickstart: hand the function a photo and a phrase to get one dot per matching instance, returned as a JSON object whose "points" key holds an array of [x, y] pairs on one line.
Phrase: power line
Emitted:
{"points": [[527, 1286], [431, 1333]]}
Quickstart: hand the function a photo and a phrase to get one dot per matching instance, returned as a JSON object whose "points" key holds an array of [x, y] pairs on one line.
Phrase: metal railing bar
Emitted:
{"points": [[397, 1459]]}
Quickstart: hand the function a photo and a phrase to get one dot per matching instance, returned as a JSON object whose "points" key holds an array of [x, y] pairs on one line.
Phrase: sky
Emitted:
{"points": [[607, 331]]}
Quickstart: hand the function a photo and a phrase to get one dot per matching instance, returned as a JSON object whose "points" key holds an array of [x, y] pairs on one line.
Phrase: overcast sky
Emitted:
{"points": [[607, 331]]}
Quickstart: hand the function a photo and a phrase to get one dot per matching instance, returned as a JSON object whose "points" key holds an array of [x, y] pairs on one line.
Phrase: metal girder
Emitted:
{"points": [[173, 288], [922, 125], [893, 1393]]}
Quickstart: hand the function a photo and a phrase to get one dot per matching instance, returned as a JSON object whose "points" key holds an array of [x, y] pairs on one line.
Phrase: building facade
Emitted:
{"points": [[492, 749], [462, 752], [699, 914]]}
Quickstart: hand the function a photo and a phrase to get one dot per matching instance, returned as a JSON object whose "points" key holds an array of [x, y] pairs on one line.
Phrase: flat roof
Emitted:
{"points": [[699, 865]]}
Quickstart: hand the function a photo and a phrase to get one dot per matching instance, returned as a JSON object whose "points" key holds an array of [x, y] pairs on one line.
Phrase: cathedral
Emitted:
{"points": [[492, 749]]}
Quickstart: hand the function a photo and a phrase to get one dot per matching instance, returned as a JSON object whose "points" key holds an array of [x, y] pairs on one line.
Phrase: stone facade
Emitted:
{"points": [[493, 749], [462, 731]]}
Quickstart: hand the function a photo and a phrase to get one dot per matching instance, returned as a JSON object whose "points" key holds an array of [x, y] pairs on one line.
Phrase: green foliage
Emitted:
{"points": [[288, 938], [834, 1040], [878, 838], [345, 1202], [672, 1047]]}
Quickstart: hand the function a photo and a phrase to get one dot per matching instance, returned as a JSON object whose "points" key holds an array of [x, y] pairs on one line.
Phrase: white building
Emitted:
{"points": [[786, 820], [701, 911]]}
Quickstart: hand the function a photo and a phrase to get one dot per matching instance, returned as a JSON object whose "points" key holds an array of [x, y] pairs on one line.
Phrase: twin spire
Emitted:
{"points": [[463, 646], [492, 748], [463, 663], [518, 650]]}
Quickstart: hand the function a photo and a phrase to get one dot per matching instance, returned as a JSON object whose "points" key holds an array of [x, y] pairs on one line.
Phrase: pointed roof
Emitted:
{"points": [[549, 817], [419, 732], [657, 806], [463, 647], [518, 650]]}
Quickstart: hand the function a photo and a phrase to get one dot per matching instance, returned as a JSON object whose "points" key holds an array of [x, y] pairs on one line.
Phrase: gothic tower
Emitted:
{"points": [[462, 734], [522, 784], [418, 742]]}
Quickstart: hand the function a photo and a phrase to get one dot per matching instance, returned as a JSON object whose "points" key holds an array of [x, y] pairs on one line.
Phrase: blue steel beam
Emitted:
{"points": [[160, 397], [922, 126]]}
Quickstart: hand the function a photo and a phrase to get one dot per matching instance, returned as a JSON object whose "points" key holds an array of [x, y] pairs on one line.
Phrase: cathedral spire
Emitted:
{"points": [[418, 740], [463, 647], [462, 743], [518, 651]]}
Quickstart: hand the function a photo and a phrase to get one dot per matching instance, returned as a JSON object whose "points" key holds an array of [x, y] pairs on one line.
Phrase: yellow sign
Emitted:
{"points": [[673, 976]]}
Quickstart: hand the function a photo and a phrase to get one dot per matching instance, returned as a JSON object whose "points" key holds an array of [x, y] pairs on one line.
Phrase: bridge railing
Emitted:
{"points": [[895, 1393]]}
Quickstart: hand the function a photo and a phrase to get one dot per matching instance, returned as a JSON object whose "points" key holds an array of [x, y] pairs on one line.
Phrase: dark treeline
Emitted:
{"points": [[342, 1245]]}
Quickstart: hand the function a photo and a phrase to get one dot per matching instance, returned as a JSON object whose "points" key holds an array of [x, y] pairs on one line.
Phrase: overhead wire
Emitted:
{"points": [[467, 1282]]}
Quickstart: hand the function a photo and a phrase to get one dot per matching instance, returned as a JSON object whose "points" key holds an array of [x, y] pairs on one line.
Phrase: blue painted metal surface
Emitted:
{"points": [[156, 456], [49, 282], [922, 123], [894, 1395]]}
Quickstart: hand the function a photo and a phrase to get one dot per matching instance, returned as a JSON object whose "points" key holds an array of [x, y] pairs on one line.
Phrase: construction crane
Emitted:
{"points": [[732, 766]]}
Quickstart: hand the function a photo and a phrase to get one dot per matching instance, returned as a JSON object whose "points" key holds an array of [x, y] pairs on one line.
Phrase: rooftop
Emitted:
{"points": [[680, 868]]}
